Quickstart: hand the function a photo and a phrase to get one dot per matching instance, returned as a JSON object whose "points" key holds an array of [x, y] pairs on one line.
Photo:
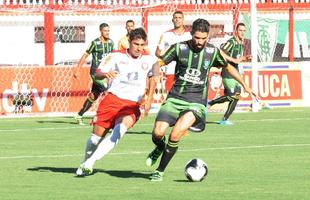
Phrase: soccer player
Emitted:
{"points": [[178, 34], [127, 72], [233, 53], [99, 48], [184, 108], [124, 41]]}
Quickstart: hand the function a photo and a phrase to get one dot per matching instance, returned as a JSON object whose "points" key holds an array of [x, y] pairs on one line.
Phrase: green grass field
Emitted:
{"points": [[264, 155]]}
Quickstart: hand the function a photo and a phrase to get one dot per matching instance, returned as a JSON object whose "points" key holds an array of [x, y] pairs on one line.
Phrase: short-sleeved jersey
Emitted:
{"points": [[99, 50], [192, 70], [233, 49], [169, 38], [123, 43], [130, 83]]}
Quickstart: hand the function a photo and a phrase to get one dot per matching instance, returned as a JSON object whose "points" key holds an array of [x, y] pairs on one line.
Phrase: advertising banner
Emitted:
{"points": [[53, 89]]}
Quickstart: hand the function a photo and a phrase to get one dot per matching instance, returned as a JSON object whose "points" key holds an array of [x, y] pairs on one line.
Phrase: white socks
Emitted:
{"points": [[107, 144], [91, 145]]}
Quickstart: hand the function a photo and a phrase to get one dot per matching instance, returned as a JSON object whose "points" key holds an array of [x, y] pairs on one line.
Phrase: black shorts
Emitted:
{"points": [[98, 86]]}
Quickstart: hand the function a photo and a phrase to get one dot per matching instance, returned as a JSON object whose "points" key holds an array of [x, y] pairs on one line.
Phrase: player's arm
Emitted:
{"points": [[150, 96], [226, 49], [160, 47], [105, 69], [221, 62], [230, 59], [157, 52], [120, 44], [89, 50], [80, 64], [236, 75]]}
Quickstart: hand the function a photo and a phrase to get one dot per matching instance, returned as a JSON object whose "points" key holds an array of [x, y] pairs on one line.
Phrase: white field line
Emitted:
{"points": [[149, 124], [145, 152]]}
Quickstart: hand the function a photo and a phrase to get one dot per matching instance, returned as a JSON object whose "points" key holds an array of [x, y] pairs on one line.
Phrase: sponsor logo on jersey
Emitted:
{"points": [[193, 72], [185, 60], [183, 46], [123, 63], [209, 49], [192, 76], [206, 64], [144, 66]]}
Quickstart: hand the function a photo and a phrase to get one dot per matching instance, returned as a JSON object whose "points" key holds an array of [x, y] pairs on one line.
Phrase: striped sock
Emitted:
{"points": [[169, 152]]}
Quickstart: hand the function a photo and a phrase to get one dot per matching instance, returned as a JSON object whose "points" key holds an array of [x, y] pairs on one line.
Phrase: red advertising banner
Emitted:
{"points": [[53, 89]]}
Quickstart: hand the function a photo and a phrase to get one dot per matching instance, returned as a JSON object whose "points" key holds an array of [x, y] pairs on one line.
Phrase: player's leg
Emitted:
{"points": [[122, 124], [191, 116], [231, 107], [221, 99], [121, 118], [180, 128], [98, 87], [102, 123], [87, 104], [91, 145], [167, 116], [158, 138], [233, 95]]}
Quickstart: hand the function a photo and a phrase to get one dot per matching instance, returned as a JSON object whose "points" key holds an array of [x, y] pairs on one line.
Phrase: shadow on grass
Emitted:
{"points": [[182, 181], [138, 132], [55, 122], [66, 120], [214, 122], [115, 173]]}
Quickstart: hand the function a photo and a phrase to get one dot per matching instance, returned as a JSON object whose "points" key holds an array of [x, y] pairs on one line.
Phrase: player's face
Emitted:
{"points": [[129, 27], [136, 47], [200, 39], [178, 20], [240, 32], [105, 32]]}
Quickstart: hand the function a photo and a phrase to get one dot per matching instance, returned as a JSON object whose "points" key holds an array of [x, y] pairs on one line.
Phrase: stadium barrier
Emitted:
{"points": [[53, 89]]}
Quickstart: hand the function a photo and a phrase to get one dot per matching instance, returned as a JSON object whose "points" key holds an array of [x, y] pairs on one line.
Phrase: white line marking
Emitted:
{"points": [[145, 152], [151, 124]]}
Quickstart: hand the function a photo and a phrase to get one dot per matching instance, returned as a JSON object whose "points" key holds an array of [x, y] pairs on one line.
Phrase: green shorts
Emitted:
{"points": [[231, 86], [172, 109], [99, 85]]}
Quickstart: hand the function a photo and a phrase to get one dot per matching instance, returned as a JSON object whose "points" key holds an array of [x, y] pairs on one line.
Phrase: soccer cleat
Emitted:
{"points": [[79, 120], [266, 106], [152, 157], [225, 122], [157, 176], [79, 171], [84, 170]]}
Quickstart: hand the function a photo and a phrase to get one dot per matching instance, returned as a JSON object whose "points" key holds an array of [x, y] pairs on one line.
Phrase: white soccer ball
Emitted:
{"points": [[196, 170]]}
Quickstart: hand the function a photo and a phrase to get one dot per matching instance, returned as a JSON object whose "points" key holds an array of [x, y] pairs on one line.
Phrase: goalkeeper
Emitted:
{"points": [[99, 49]]}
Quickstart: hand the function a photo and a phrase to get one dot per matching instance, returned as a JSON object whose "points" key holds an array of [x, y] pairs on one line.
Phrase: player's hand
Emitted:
{"points": [[248, 58], [76, 74], [111, 74], [147, 106], [250, 91]]}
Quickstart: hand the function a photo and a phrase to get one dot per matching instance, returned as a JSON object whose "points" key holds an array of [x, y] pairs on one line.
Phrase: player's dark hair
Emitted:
{"points": [[137, 33], [130, 21], [201, 25], [103, 25], [240, 24], [178, 12]]}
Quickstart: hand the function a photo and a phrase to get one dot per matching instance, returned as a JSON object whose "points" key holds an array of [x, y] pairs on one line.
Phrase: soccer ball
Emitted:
{"points": [[196, 170]]}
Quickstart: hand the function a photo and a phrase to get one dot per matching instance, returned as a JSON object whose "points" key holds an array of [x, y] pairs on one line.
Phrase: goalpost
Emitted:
{"points": [[42, 41]]}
